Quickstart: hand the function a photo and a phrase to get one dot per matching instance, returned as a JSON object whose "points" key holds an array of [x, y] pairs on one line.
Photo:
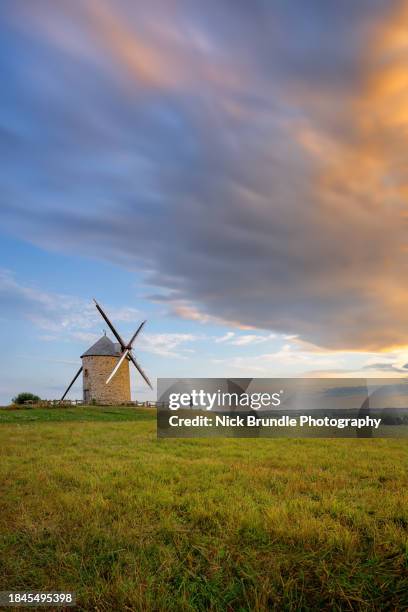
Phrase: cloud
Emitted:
{"points": [[59, 314], [247, 339], [296, 360], [225, 337], [191, 313], [242, 156], [383, 367], [167, 345], [231, 338], [49, 312], [184, 309], [70, 318]]}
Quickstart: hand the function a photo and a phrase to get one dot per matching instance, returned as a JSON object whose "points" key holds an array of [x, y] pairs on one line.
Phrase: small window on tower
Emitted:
{"points": [[85, 372]]}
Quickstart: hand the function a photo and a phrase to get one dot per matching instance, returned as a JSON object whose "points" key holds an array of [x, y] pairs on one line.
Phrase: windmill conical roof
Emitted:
{"points": [[102, 347]]}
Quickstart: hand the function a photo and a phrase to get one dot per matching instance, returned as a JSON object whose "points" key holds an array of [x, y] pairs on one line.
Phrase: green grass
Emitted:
{"points": [[133, 523], [79, 413]]}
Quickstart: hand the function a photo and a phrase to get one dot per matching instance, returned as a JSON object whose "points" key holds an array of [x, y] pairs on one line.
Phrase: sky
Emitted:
{"points": [[234, 172]]}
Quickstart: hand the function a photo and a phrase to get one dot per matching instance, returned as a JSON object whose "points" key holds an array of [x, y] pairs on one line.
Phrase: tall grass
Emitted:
{"points": [[133, 523]]}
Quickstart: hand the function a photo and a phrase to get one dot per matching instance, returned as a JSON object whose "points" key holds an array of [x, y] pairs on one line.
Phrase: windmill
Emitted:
{"points": [[101, 383]]}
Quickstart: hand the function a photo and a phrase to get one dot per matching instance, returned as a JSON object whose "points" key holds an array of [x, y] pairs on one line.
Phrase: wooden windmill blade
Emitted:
{"points": [[113, 330], [126, 348], [139, 369], [129, 346], [98, 358], [116, 368], [71, 383]]}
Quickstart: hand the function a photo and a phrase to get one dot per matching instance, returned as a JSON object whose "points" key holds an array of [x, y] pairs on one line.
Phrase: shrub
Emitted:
{"points": [[25, 397]]}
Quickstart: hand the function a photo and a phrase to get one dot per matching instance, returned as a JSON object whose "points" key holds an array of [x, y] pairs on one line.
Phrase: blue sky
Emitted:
{"points": [[48, 320], [233, 172]]}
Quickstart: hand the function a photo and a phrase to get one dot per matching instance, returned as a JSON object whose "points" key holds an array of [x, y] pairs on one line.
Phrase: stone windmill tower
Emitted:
{"points": [[105, 367]]}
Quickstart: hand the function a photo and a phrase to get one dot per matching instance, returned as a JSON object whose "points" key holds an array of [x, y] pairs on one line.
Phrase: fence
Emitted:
{"points": [[50, 403]]}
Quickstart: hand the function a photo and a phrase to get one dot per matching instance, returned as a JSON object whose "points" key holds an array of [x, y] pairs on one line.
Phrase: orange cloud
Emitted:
{"points": [[361, 186], [139, 59], [159, 53]]}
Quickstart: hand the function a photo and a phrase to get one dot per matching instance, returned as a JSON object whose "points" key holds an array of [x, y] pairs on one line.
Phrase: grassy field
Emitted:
{"points": [[92, 501], [79, 413]]}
